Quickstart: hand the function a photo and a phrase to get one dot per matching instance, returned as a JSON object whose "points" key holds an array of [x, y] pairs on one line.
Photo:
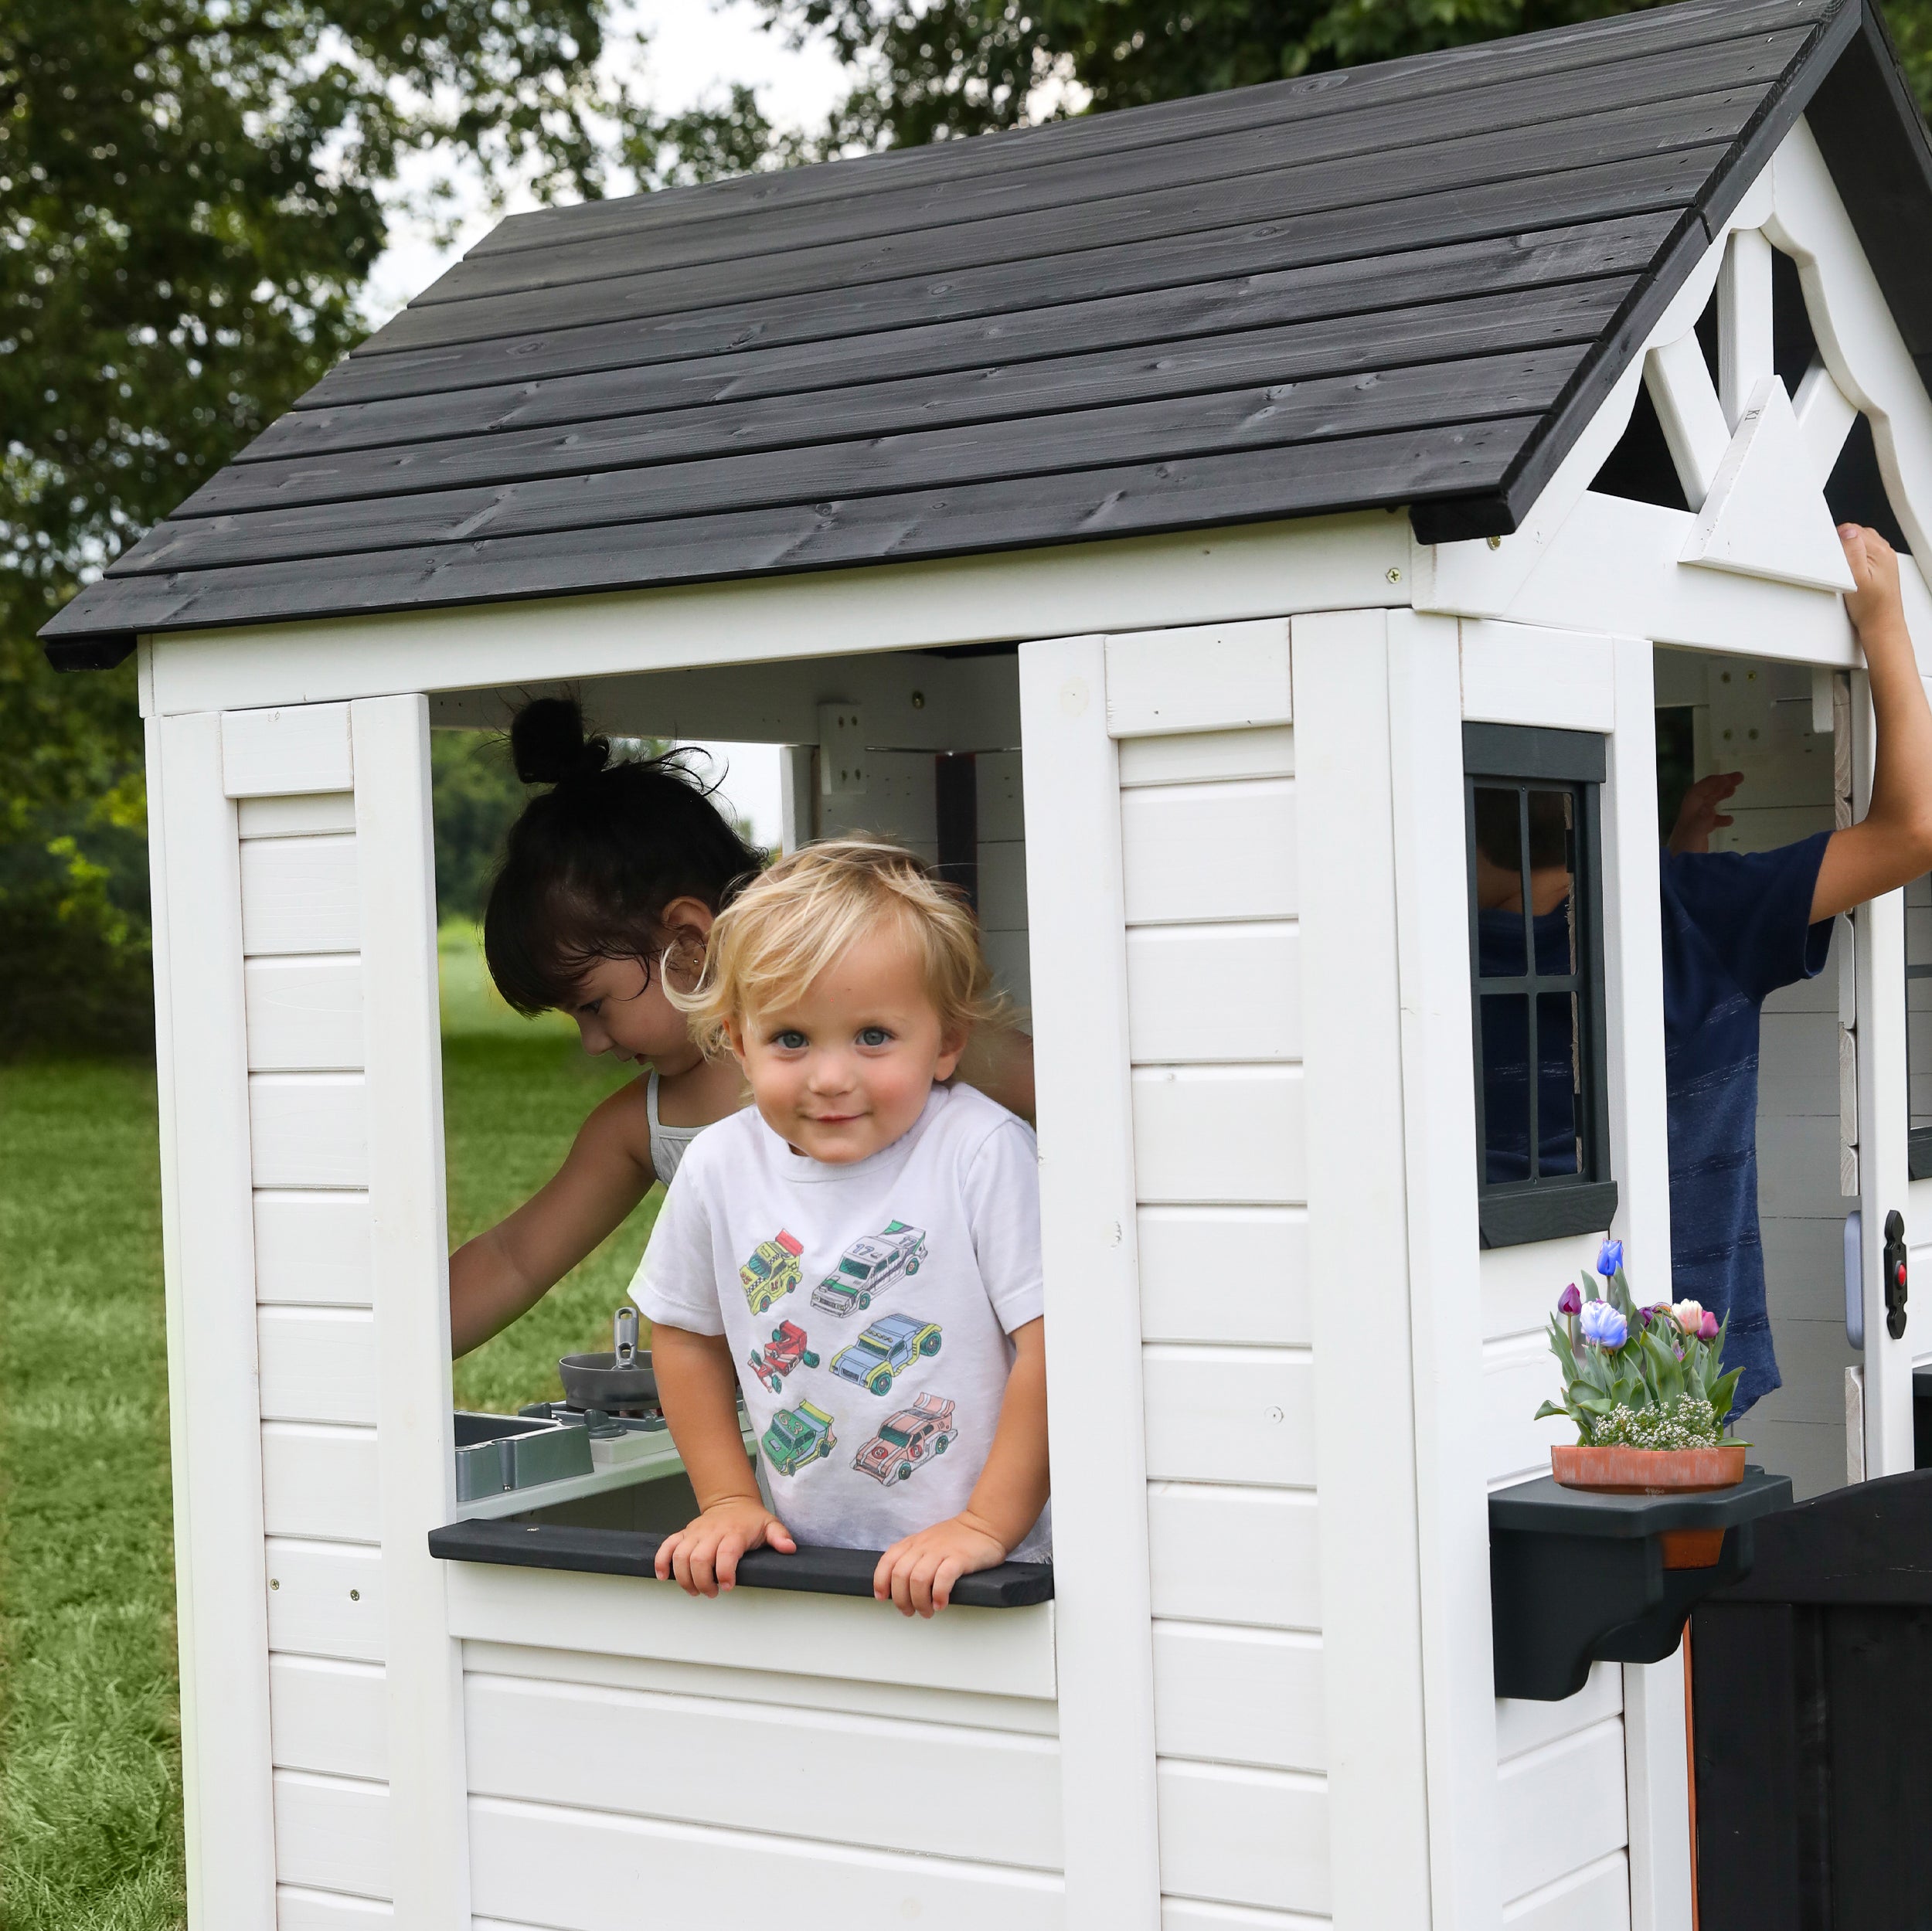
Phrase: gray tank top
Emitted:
{"points": [[667, 1143]]}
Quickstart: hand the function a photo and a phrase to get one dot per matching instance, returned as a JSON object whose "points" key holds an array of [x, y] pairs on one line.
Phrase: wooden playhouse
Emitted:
{"points": [[1169, 515]]}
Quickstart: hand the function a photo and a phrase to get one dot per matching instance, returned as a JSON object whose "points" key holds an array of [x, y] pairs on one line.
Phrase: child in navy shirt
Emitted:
{"points": [[1737, 926]]}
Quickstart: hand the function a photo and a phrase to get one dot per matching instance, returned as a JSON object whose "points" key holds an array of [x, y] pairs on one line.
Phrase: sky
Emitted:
{"points": [[693, 48]]}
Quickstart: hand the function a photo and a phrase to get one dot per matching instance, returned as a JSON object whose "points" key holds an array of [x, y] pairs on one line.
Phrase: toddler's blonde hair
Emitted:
{"points": [[796, 918]]}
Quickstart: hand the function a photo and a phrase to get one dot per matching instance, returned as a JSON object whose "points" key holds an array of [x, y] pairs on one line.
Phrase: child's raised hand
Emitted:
{"points": [[1702, 811], [1874, 569], [917, 1573], [703, 1554]]}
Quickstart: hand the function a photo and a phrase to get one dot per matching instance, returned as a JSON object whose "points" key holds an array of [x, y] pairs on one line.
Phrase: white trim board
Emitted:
{"points": [[1264, 570]]}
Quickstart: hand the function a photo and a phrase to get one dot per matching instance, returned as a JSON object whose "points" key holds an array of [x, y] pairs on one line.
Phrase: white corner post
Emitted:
{"points": [[1103, 1617], [1656, 1766], [209, 1263], [1358, 1252], [1439, 1156], [427, 1801]]}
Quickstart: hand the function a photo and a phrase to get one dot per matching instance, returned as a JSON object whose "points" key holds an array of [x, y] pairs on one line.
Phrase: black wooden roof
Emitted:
{"points": [[1409, 285]]}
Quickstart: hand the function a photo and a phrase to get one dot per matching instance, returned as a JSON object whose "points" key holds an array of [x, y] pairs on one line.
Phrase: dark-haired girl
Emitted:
{"points": [[611, 880]]}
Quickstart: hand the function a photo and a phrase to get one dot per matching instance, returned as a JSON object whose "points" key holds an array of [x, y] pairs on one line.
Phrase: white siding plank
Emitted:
{"points": [[1207, 757], [1230, 1415], [997, 1652], [1238, 1696], [298, 818], [1203, 679], [329, 1717], [332, 1833], [308, 1129], [1225, 1274], [1518, 674], [1002, 884], [1190, 1914], [1597, 1899], [318, 1365], [297, 1909], [1522, 1725], [1518, 1377], [1001, 782], [1227, 1135], [1199, 851], [1560, 1808], [304, 1015], [324, 1599], [1215, 993], [1234, 1555], [312, 1249], [321, 1482], [299, 895], [958, 1793], [304, 748], [1244, 1836], [582, 1871]]}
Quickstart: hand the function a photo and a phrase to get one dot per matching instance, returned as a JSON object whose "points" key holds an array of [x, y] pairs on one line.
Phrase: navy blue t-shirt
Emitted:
{"points": [[1737, 926]]}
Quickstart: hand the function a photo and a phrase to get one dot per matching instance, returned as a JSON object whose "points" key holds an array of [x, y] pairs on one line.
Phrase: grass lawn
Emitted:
{"points": [[90, 1759]]}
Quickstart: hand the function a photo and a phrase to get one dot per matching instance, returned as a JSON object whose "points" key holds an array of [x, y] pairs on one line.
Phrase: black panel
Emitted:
{"points": [[1640, 466], [1855, 493], [956, 798]]}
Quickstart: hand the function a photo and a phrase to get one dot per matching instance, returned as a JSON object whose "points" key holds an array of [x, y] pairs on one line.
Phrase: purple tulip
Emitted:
{"points": [[1571, 1302], [1610, 1257], [1604, 1325], [1707, 1330], [1643, 1314]]}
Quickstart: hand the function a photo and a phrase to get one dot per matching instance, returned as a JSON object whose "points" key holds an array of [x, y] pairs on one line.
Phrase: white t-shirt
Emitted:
{"points": [[868, 1307]]}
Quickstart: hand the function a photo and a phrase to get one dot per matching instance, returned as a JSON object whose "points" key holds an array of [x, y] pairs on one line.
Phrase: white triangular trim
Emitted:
{"points": [[1765, 515]]}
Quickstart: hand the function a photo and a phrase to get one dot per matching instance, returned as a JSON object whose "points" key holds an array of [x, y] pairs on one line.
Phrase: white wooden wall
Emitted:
{"points": [[290, 837]]}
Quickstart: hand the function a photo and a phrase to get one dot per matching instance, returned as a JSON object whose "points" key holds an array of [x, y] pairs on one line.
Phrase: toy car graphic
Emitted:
{"points": [[772, 1272], [913, 1435], [885, 1350], [781, 1354], [797, 1438], [868, 1264]]}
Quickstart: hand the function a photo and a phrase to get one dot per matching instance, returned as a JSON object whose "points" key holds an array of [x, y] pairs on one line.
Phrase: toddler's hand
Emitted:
{"points": [[703, 1554], [1874, 565], [917, 1573]]}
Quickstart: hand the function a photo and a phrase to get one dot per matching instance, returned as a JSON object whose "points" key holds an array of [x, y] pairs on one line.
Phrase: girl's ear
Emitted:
{"points": [[690, 915]]}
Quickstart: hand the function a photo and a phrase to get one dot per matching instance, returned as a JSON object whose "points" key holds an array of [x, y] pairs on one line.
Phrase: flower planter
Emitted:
{"points": [[1658, 1471]]}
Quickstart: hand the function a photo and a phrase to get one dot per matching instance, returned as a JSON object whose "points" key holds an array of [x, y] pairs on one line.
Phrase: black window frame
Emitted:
{"points": [[1512, 1213]]}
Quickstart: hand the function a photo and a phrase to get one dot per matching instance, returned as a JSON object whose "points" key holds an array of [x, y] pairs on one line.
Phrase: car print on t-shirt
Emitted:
{"points": [[908, 1439], [797, 1437], [869, 1266], [885, 1350], [773, 1271], [785, 1351]]}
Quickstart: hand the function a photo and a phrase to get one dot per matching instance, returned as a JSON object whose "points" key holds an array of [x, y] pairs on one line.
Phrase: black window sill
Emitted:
{"points": [[1546, 1213], [614, 1534]]}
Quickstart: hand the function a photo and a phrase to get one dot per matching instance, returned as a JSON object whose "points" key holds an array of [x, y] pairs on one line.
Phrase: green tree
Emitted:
{"points": [[191, 193], [931, 69]]}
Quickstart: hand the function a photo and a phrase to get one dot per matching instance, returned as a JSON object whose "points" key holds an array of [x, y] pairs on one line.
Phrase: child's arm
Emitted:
{"points": [[1892, 844], [998, 1060], [918, 1572], [502, 1273], [697, 1384]]}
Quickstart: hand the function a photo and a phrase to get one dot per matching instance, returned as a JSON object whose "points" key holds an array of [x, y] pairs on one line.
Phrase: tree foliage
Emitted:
{"points": [[934, 70]]}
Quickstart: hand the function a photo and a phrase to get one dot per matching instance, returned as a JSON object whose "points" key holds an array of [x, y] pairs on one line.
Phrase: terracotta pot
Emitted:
{"points": [[1648, 1471], [1692, 1547]]}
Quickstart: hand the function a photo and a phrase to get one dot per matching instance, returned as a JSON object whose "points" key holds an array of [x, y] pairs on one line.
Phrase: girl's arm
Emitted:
{"points": [[503, 1273], [918, 1572], [1892, 844], [697, 1384], [998, 1060]]}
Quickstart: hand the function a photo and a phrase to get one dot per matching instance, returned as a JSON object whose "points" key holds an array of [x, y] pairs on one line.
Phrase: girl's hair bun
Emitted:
{"points": [[548, 744]]}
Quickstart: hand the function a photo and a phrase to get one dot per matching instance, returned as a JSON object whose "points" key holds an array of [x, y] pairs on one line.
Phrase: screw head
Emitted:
{"points": [[273, 1583], [1395, 575], [1495, 542], [919, 700], [355, 1596]]}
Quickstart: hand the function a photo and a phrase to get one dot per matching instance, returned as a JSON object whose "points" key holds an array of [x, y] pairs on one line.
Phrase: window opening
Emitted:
{"points": [[1918, 1025], [1676, 763], [1535, 946], [1639, 469]]}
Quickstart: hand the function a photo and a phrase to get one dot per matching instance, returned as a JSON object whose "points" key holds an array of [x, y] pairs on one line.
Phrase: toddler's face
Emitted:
{"points": [[844, 1069]]}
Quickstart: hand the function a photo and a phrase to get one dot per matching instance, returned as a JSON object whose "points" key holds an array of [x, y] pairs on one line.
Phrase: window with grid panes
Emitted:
{"points": [[1532, 810], [1918, 1024]]}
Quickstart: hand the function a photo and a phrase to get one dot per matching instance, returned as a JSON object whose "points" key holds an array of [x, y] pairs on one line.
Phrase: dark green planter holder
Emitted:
{"points": [[1578, 1577]]}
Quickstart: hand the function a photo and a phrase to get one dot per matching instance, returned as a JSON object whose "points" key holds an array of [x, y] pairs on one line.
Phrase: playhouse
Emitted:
{"points": [[1171, 521]]}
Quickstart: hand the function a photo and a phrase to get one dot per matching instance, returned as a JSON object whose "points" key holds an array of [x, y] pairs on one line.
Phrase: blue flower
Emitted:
{"points": [[1610, 1257], [1603, 1324]]}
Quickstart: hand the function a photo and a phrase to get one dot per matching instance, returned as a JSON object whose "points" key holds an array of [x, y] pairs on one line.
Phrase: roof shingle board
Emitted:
{"points": [[1406, 286]]}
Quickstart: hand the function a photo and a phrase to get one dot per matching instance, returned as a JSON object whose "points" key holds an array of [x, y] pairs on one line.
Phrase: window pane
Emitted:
{"points": [[1506, 1087], [1553, 846], [1499, 922], [1559, 1086]]}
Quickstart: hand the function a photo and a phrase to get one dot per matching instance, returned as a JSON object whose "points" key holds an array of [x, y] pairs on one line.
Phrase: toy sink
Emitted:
{"points": [[497, 1452]]}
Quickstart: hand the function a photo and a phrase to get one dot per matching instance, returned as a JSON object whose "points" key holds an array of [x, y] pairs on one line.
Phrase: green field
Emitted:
{"points": [[90, 1758]]}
